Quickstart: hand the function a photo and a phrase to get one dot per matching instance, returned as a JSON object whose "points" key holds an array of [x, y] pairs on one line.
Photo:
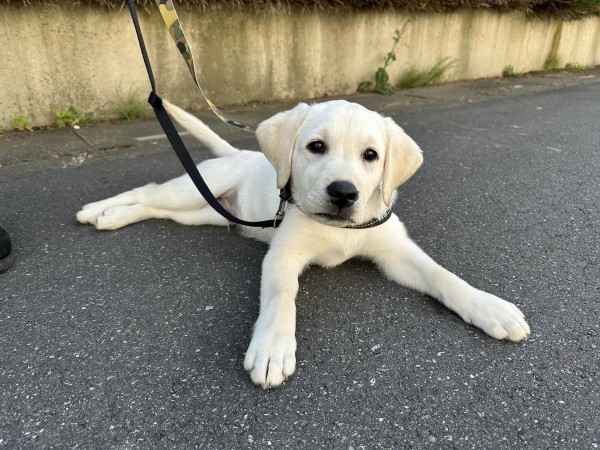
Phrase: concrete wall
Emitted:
{"points": [[55, 56]]}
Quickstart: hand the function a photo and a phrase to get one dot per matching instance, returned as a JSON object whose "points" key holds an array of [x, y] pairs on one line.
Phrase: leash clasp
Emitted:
{"points": [[280, 212], [285, 196]]}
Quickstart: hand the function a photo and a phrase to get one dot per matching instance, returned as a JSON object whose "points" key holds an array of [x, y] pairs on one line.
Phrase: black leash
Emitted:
{"points": [[180, 149]]}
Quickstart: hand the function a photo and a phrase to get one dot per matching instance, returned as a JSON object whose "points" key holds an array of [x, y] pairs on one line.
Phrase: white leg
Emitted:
{"points": [[154, 200], [271, 356], [404, 262], [119, 216]]}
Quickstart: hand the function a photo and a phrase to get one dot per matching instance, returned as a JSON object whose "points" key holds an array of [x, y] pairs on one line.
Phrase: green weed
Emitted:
{"points": [[71, 117], [509, 71], [414, 77], [130, 104], [66, 118], [21, 123], [86, 118], [552, 63], [382, 79], [575, 66]]}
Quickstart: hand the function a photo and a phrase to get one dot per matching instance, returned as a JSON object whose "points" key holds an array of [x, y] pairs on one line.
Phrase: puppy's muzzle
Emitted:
{"points": [[342, 193]]}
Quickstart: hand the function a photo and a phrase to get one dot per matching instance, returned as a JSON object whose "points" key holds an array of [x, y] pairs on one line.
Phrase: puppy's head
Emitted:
{"points": [[345, 161]]}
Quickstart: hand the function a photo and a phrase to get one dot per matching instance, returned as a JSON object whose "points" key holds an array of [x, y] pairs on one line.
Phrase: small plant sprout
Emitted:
{"points": [[21, 123], [509, 71], [66, 118], [71, 117]]}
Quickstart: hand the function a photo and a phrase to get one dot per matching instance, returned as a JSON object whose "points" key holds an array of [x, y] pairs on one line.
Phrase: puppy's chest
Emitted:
{"points": [[334, 253]]}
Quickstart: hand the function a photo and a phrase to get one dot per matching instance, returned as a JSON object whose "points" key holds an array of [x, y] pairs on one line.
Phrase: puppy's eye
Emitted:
{"points": [[370, 155], [316, 147]]}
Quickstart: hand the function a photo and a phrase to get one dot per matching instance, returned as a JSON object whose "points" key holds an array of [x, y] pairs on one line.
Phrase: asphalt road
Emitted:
{"points": [[135, 338]]}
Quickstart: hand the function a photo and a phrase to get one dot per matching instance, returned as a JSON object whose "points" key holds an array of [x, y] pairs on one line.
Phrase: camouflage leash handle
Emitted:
{"points": [[169, 15]]}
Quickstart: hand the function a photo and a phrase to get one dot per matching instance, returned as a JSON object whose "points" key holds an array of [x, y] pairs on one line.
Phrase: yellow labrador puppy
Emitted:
{"points": [[343, 164]]}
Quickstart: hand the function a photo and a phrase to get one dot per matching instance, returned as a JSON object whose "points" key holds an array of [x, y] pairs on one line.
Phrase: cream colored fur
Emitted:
{"points": [[312, 232]]}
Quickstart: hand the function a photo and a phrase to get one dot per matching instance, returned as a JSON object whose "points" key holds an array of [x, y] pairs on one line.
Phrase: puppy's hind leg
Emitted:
{"points": [[90, 212], [120, 216], [177, 199]]}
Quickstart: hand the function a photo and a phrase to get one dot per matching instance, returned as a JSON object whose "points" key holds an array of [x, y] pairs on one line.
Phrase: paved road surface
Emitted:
{"points": [[135, 338]]}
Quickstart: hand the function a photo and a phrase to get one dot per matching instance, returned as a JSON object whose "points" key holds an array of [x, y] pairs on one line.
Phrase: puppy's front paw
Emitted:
{"points": [[271, 357], [498, 318]]}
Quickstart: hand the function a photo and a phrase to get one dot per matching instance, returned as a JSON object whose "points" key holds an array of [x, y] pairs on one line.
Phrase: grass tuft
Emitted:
{"points": [[509, 71], [575, 66], [130, 103], [414, 77]]}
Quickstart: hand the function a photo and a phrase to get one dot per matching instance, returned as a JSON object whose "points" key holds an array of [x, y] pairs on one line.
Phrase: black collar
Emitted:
{"points": [[372, 222], [286, 197]]}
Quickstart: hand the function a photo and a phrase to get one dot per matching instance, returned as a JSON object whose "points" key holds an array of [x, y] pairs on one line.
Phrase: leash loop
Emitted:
{"points": [[154, 100]]}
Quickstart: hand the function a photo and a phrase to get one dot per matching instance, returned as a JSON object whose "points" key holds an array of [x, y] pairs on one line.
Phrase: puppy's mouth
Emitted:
{"points": [[337, 219]]}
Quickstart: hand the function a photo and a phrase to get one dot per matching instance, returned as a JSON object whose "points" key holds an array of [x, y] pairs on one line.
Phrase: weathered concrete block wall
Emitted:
{"points": [[56, 56]]}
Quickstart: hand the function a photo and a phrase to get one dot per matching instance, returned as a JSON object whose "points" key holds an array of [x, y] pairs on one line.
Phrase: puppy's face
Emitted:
{"points": [[337, 164], [344, 160]]}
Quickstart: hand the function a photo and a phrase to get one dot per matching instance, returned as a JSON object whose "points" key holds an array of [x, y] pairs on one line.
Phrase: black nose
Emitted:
{"points": [[342, 193]]}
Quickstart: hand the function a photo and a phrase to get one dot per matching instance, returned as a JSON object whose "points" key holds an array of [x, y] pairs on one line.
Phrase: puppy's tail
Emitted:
{"points": [[200, 131]]}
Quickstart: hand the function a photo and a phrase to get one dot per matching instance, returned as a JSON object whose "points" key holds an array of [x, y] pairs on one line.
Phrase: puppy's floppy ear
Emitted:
{"points": [[277, 138], [402, 159]]}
